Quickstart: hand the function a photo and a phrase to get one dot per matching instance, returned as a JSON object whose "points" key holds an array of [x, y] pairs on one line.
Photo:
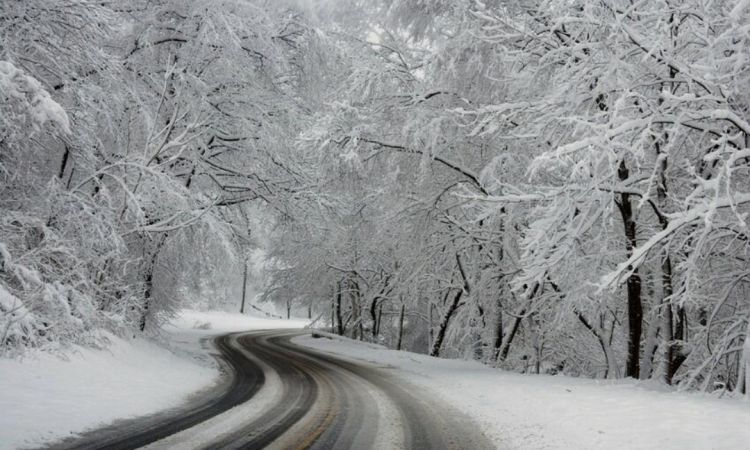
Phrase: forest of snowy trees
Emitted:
{"points": [[556, 186]]}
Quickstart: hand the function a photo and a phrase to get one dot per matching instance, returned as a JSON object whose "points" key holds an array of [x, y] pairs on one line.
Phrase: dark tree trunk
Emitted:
{"points": [[675, 335], [400, 326], [675, 350], [376, 307], [498, 342], [333, 313], [244, 289], [147, 292], [635, 306], [148, 280], [450, 310], [355, 297], [70, 178], [511, 335], [667, 290], [431, 332], [515, 325], [146, 301], [374, 317], [337, 311], [600, 338], [444, 322], [64, 162], [479, 325], [380, 318], [498, 336]]}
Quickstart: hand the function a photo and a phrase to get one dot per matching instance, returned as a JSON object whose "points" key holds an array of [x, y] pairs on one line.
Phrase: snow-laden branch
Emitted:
{"points": [[18, 87], [168, 224], [472, 176], [676, 222]]}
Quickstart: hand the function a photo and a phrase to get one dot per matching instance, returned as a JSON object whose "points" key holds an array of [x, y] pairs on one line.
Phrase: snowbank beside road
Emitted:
{"points": [[556, 412], [44, 398]]}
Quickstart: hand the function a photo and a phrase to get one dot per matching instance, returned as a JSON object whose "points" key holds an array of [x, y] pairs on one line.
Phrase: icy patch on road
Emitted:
{"points": [[557, 412]]}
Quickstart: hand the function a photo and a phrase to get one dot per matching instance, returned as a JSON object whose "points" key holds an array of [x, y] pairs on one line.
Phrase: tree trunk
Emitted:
{"points": [[150, 268], [505, 349], [337, 310], [498, 342], [400, 326], [146, 301], [479, 325], [744, 370], [333, 313], [674, 336], [374, 317], [452, 307], [244, 288], [654, 326], [354, 298], [666, 267], [498, 336], [635, 306], [64, 162], [148, 281], [506, 341], [430, 327], [612, 370], [537, 341], [673, 332], [675, 351], [443, 325], [380, 318]]}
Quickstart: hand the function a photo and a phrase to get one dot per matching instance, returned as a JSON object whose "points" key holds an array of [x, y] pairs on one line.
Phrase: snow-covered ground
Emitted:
{"points": [[556, 412], [44, 397], [218, 322]]}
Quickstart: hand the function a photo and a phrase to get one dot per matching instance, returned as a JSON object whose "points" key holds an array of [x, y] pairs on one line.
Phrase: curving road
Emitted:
{"points": [[284, 396]]}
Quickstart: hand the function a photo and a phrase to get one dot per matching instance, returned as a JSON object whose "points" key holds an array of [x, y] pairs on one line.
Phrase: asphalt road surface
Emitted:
{"points": [[279, 395]]}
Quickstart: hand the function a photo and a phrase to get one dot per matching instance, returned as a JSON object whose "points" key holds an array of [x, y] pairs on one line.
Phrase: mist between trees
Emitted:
{"points": [[545, 186]]}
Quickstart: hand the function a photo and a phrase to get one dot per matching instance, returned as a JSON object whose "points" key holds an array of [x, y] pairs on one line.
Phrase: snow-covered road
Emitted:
{"points": [[281, 395]]}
